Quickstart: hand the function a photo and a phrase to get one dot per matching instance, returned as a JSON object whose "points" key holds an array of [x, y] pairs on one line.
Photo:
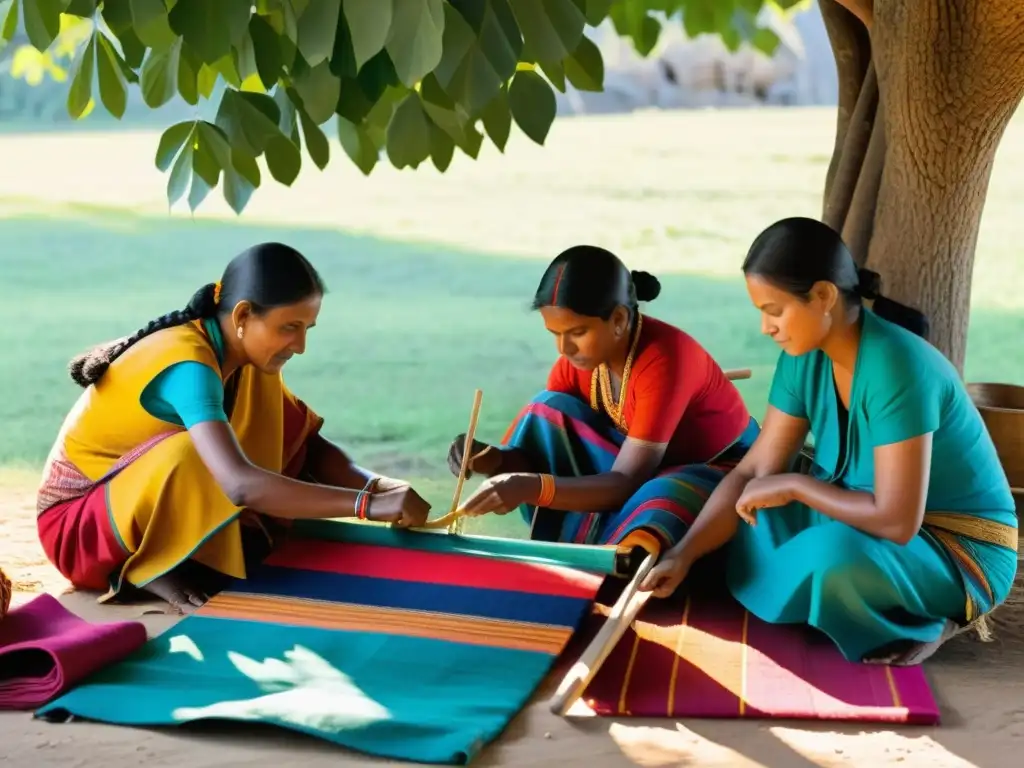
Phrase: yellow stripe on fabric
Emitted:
{"points": [[894, 690], [629, 674], [351, 617], [974, 527], [675, 662], [949, 527]]}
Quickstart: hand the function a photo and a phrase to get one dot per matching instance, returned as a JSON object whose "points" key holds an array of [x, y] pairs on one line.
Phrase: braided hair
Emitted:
{"points": [[592, 282], [267, 276]]}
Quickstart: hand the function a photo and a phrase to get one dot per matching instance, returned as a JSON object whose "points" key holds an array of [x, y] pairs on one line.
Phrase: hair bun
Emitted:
{"points": [[648, 287], [203, 303], [869, 284]]}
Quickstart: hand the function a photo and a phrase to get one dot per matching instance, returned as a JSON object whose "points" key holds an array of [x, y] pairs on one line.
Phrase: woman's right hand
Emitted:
{"points": [[665, 578], [400, 506], [484, 458]]}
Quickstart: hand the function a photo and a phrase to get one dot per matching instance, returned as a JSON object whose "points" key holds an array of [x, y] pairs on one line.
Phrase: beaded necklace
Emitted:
{"points": [[601, 381]]}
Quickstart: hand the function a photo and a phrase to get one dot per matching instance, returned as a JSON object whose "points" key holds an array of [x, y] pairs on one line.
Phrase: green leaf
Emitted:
{"points": [[243, 55], [441, 109], [765, 41], [159, 76], [318, 27], [248, 120], [585, 68], [497, 31], [647, 36], [267, 50], [8, 19], [343, 60], [316, 142], [181, 174], [408, 136], [555, 73], [288, 103], [532, 104], [188, 75], [497, 120], [42, 21], [551, 28], [206, 81], [113, 88], [118, 16], [753, 7], [320, 91], [369, 22], [358, 145], [283, 160], [241, 180], [415, 39], [376, 76], [151, 24], [211, 28], [465, 71], [280, 14], [84, 9], [698, 18], [597, 11], [442, 148], [241, 172], [205, 171], [80, 93], [171, 142]]}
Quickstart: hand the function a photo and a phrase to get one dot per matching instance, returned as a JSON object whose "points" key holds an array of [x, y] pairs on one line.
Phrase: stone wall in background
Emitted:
{"points": [[688, 74]]}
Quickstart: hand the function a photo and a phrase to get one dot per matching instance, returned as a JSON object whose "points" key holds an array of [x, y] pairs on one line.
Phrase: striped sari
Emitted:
{"points": [[564, 436]]}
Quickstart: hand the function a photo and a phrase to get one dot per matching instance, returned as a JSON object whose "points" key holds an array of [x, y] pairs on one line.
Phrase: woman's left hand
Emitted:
{"points": [[501, 494], [389, 484], [766, 493]]}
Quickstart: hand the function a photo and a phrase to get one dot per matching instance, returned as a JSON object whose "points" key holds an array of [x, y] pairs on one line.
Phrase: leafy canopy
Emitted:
{"points": [[415, 79]]}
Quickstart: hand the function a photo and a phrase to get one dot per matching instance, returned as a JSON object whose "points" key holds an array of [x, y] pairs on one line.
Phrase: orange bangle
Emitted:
{"points": [[547, 490]]}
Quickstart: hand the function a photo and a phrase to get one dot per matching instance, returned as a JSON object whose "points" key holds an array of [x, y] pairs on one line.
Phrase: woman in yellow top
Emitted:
{"points": [[186, 454]]}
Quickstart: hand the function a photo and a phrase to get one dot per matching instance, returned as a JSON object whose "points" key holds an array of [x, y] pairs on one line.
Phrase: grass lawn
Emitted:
{"points": [[411, 328]]}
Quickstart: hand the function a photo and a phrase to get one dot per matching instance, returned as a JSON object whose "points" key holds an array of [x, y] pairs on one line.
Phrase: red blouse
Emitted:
{"points": [[676, 394]]}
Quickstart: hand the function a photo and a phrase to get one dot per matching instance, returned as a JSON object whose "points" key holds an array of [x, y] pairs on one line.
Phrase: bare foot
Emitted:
{"points": [[181, 597]]}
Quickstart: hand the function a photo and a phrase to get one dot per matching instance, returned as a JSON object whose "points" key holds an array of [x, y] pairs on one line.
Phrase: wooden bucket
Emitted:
{"points": [[1002, 408]]}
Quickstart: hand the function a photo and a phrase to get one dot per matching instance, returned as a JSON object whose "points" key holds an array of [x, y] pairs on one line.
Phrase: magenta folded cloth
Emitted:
{"points": [[45, 650]]}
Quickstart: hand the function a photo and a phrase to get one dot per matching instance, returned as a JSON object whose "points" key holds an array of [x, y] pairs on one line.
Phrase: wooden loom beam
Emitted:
{"points": [[621, 617]]}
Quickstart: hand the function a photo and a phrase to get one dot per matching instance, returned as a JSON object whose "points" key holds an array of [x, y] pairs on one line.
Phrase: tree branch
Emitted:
{"points": [[850, 160], [859, 224], [851, 47]]}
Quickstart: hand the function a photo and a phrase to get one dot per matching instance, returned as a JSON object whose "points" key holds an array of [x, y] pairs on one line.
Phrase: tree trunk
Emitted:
{"points": [[926, 92]]}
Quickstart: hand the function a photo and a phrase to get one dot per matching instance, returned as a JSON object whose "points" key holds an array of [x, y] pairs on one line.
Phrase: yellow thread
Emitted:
{"points": [[892, 687], [629, 674], [675, 661], [216, 293]]}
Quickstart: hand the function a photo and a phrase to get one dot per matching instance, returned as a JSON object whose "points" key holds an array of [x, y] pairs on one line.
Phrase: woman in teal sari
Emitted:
{"points": [[905, 531]]}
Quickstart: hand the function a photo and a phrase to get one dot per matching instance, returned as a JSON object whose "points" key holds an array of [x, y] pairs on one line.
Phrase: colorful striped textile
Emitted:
{"points": [[407, 645], [704, 656]]}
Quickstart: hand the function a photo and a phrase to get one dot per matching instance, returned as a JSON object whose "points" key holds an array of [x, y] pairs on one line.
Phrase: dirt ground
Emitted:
{"points": [[979, 687]]}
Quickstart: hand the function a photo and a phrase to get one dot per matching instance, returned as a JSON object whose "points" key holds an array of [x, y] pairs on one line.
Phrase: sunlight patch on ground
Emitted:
{"points": [[303, 690], [875, 749], [649, 746]]}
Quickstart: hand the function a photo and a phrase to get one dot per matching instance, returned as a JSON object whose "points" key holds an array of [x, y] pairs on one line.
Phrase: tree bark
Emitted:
{"points": [[909, 176]]}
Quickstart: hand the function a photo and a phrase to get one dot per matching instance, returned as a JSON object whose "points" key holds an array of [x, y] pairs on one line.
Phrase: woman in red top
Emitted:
{"points": [[636, 428]]}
